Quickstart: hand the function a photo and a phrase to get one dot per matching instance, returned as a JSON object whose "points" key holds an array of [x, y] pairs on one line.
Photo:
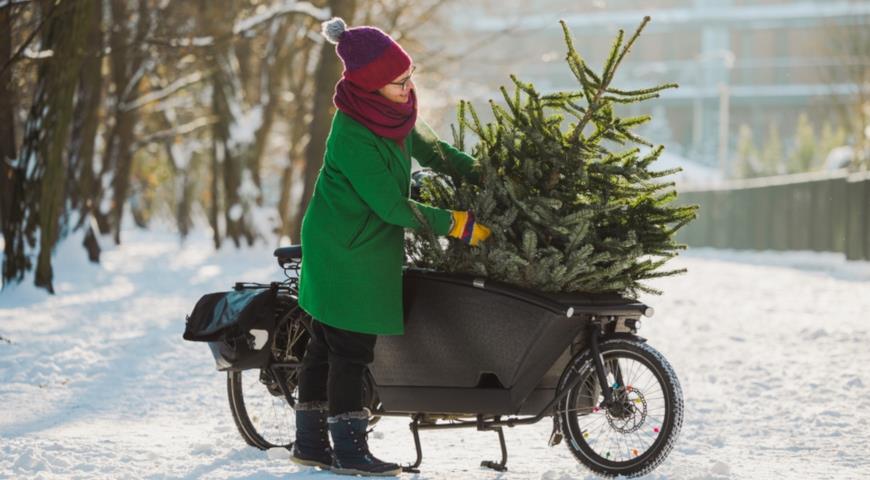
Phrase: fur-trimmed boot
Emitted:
{"points": [[351, 455], [312, 447]]}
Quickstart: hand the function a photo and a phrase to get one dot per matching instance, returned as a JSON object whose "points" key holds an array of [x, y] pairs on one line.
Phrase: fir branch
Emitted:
{"points": [[595, 79], [631, 41], [610, 65], [641, 98], [514, 107], [572, 55], [461, 120], [634, 121], [642, 91]]}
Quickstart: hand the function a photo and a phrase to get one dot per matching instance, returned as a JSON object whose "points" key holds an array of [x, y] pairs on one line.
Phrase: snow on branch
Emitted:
{"points": [[167, 91], [12, 3], [278, 9], [180, 130], [37, 55]]}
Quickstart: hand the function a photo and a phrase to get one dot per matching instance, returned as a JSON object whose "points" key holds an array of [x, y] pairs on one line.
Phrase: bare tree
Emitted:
{"points": [[9, 220], [46, 133], [300, 85], [82, 183], [245, 98], [128, 62], [119, 93]]}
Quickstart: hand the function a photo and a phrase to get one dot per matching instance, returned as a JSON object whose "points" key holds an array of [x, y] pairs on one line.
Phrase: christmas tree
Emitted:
{"points": [[572, 204]]}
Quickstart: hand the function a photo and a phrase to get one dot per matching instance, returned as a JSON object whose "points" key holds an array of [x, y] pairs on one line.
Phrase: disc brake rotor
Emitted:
{"points": [[629, 411]]}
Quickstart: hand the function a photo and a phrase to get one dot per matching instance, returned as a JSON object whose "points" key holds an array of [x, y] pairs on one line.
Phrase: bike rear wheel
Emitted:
{"points": [[264, 417], [637, 431], [262, 412], [264, 420]]}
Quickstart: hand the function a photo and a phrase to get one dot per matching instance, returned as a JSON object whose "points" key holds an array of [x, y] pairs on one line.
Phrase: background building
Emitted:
{"points": [[757, 64]]}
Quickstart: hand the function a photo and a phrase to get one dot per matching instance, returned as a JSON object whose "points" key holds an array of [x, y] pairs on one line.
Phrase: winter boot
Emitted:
{"points": [[312, 436], [351, 455]]}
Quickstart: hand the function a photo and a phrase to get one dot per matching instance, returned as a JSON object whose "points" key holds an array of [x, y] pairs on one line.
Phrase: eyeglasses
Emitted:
{"points": [[404, 83]]}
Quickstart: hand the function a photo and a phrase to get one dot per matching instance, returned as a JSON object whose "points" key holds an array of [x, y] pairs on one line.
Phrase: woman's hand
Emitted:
{"points": [[466, 229]]}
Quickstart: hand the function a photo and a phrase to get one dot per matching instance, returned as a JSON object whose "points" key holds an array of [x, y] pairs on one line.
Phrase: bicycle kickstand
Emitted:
{"points": [[500, 466], [414, 468]]}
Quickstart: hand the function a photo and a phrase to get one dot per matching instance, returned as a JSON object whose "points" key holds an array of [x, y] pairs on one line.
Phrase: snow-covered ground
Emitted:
{"points": [[96, 382]]}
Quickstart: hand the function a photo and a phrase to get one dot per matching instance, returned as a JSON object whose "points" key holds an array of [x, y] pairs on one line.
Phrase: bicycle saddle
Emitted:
{"points": [[286, 254]]}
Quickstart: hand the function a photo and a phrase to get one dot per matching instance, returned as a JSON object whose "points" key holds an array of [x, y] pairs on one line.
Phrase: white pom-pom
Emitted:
{"points": [[332, 29]]}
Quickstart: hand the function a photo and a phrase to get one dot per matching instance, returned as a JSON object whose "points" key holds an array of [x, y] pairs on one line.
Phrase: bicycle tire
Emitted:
{"points": [[278, 431], [252, 428], [638, 463], [289, 341]]}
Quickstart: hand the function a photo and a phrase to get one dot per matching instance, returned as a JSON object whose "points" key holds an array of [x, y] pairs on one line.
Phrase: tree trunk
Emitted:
{"points": [[184, 206], [183, 176], [7, 102], [9, 175], [329, 69], [295, 167], [126, 61], [300, 83], [92, 246], [227, 93], [214, 208], [118, 152], [66, 34], [84, 187], [272, 70], [184, 188], [231, 172]]}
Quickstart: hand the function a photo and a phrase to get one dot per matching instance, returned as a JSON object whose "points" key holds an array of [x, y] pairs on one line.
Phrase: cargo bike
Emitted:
{"points": [[494, 356]]}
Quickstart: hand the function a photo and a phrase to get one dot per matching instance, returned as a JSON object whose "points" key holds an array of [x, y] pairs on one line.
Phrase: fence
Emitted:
{"points": [[825, 212]]}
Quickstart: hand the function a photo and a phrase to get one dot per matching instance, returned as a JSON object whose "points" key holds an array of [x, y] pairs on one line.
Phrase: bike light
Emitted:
{"points": [[648, 312]]}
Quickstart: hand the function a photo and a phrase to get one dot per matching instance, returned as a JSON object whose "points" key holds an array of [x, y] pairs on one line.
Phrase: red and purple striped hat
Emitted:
{"points": [[371, 58]]}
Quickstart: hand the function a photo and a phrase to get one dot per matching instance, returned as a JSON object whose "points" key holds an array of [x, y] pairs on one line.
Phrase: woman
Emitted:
{"points": [[353, 239]]}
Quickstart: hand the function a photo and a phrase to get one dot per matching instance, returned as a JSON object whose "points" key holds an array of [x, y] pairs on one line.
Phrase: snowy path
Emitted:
{"points": [[95, 382]]}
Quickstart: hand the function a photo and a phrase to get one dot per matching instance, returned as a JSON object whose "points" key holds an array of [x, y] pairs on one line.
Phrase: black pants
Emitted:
{"points": [[333, 368]]}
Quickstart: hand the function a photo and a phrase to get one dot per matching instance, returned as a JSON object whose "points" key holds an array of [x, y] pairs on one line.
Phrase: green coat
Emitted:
{"points": [[353, 229]]}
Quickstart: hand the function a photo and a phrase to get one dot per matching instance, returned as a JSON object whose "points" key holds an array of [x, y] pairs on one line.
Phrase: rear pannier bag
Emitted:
{"points": [[237, 325]]}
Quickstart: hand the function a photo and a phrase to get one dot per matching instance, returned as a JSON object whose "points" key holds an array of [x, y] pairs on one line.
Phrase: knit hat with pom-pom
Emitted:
{"points": [[371, 58]]}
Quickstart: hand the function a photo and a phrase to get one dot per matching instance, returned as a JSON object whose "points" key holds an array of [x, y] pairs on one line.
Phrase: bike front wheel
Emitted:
{"points": [[637, 431]]}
